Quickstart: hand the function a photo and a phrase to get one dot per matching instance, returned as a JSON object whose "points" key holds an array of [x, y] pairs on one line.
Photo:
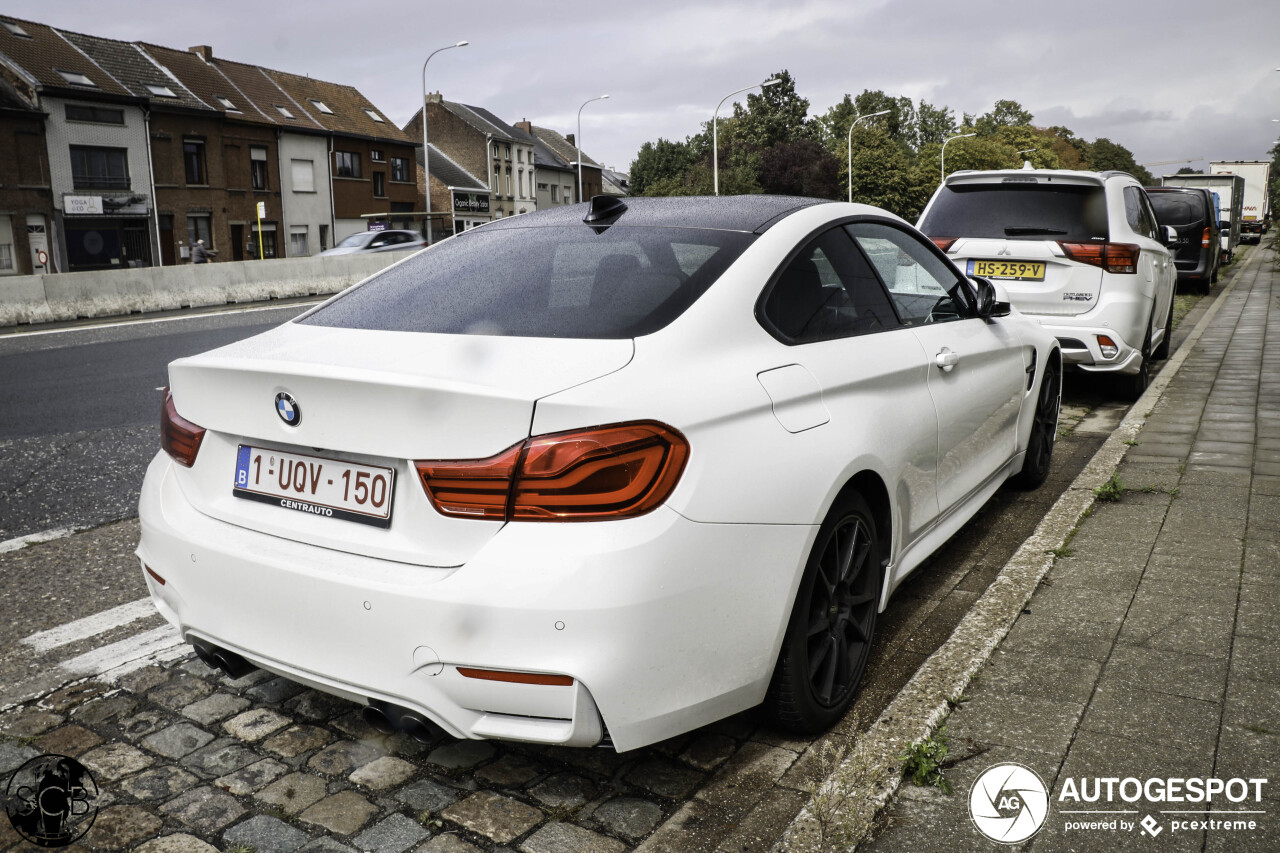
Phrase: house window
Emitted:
{"points": [[376, 155], [298, 241], [99, 168], [75, 78], [522, 183], [324, 237], [304, 175], [258, 167], [6, 245], [346, 164], [198, 229], [371, 114], [226, 104], [284, 111], [520, 155], [380, 184], [321, 106], [15, 29], [268, 234], [101, 115], [555, 191], [400, 169], [161, 91], [193, 158]]}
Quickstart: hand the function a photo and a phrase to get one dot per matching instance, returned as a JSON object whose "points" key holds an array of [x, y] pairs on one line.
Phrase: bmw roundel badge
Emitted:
{"points": [[288, 409]]}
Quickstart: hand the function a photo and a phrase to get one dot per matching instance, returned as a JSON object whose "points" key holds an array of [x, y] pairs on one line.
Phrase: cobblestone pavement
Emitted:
{"points": [[188, 760], [1149, 650]]}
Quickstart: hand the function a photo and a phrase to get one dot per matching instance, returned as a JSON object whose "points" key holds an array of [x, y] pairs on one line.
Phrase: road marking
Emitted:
{"points": [[37, 538], [90, 626], [113, 656]]}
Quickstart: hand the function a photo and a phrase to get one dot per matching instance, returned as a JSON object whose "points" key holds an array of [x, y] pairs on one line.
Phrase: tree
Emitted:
{"points": [[803, 167], [773, 116], [933, 124], [1003, 114], [1105, 155], [1187, 170], [659, 166]]}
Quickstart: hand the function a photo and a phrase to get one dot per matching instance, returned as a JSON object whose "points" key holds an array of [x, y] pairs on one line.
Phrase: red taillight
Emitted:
{"points": [[944, 243], [1112, 257], [1205, 239], [609, 472], [179, 437]]}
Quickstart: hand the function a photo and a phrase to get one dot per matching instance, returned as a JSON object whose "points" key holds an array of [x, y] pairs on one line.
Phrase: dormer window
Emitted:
{"points": [[75, 78], [161, 91], [373, 115], [321, 106], [284, 111], [15, 29], [226, 104]]}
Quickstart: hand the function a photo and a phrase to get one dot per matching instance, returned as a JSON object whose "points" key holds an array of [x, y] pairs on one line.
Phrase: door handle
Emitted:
{"points": [[947, 359]]}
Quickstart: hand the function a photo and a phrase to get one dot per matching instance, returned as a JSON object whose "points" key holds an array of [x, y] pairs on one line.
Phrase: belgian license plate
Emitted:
{"points": [[314, 485], [1009, 270]]}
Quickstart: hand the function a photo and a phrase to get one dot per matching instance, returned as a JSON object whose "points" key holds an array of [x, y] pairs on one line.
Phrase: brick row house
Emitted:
{"points": [[129, 152]]}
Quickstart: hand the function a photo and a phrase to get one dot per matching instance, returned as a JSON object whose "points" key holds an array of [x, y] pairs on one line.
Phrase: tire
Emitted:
{"points": [[828, 638], [1044, 430], [1131, 387], [1162, 352], [1214, 280]]}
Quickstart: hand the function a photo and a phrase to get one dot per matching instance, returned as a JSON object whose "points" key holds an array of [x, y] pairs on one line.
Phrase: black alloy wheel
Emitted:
{"points": [[828, 639], [1162, 352], [1132, 387], [1044, 430]]}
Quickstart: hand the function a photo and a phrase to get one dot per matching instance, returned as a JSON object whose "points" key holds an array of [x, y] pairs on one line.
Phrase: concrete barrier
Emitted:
{"points": [[33, 299]]}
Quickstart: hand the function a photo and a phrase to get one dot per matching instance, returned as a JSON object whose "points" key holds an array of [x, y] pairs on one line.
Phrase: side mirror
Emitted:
{"points": [[1170, 234], [992, 300]]}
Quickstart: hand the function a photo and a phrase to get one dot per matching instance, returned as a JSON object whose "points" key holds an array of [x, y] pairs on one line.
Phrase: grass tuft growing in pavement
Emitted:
{"points": [[1110, 491], [922, 761]]}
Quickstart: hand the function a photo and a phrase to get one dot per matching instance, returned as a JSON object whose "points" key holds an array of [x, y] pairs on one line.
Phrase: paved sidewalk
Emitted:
{"points": [[1149, 651]]}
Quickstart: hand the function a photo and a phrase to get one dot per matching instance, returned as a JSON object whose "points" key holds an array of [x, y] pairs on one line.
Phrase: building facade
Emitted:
{"points": [[26, 194]]}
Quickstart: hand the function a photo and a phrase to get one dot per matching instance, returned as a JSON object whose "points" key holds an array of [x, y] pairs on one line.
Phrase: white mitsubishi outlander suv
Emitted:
{"points": [[1080, 252]]}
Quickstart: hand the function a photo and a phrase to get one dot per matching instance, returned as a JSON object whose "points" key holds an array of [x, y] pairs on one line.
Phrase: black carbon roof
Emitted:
{"points": [[750, 213]]}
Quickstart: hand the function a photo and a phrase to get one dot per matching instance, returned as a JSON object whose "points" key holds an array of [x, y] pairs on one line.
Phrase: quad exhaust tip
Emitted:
{"points": [[230, 663], [389, 719]]}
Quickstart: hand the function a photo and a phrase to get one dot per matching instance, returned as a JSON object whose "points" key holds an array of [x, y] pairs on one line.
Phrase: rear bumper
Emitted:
{"points": [[1078, 337], [664, 624]]}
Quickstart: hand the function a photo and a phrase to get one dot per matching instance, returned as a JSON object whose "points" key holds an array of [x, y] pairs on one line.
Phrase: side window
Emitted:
{"points": [[1137, 214], [828, 291], [1149, 214], [919, 283]]}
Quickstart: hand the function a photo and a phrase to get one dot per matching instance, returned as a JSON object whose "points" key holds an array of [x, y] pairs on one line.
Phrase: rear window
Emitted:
{"points": [[1178, 209], [1019, 212], [552, 282]]}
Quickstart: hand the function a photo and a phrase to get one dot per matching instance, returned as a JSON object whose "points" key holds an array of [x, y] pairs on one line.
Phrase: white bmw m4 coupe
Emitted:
{"points": [[597, 475]]}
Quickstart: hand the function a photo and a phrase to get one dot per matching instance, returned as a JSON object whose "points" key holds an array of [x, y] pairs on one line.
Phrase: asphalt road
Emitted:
{"points": [[80, 417]]}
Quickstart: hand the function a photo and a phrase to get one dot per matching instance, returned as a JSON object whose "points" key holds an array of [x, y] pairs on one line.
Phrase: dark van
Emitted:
{"points": [[1193, 213]]}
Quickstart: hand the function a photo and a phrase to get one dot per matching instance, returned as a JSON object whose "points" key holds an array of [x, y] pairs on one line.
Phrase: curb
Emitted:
{"points": [[870, 773]]}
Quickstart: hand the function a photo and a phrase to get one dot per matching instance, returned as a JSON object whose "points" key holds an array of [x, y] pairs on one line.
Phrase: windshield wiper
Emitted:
{"points": [[1022, 230]]}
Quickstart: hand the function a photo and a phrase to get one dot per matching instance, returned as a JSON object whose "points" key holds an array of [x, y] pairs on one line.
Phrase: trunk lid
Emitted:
{"points": [[1068, 288], [375, 399]]}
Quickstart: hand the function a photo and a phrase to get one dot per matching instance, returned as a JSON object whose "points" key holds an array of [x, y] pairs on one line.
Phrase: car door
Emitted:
{"points": [[860, 374], [977, 368], [1154, 262]]}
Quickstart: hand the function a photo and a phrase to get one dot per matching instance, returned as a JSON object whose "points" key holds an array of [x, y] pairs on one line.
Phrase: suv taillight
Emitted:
{"points": [[178, 436], [1206, 238], [1112, 257], [608, 472]]}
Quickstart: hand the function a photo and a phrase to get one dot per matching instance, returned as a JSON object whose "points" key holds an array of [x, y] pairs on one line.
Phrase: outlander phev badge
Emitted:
{"points": [[288, 409]]}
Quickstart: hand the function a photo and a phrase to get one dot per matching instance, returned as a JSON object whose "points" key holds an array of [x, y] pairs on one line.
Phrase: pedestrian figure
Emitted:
{"points": [[201, 255]]}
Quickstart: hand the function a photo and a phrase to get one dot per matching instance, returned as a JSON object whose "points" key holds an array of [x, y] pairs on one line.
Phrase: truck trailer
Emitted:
{"points": [[1255, 213], [1230, 190]]}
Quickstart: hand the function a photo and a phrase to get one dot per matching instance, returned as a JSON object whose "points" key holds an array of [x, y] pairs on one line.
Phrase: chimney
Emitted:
{"points": [[526, 126], [434, 98], [569, 138], [204, 51]]}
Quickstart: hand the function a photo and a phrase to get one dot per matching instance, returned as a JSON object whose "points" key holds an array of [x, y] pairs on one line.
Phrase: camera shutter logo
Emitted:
{"points": [[1008, 803], [50, 800]]}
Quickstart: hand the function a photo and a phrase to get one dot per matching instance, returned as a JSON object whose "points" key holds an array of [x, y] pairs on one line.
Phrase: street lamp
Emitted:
{"points": [[852, 124], [943, 167], [426, 151], [715, 139], [577, 141]]}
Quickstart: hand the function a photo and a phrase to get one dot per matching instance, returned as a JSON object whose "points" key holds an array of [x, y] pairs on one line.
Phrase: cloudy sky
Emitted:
{"points": [[1169, 79]]}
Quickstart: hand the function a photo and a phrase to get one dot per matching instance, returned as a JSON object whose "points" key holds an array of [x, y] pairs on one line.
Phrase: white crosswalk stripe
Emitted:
{"points": [[114, 656], [90, 626]]}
